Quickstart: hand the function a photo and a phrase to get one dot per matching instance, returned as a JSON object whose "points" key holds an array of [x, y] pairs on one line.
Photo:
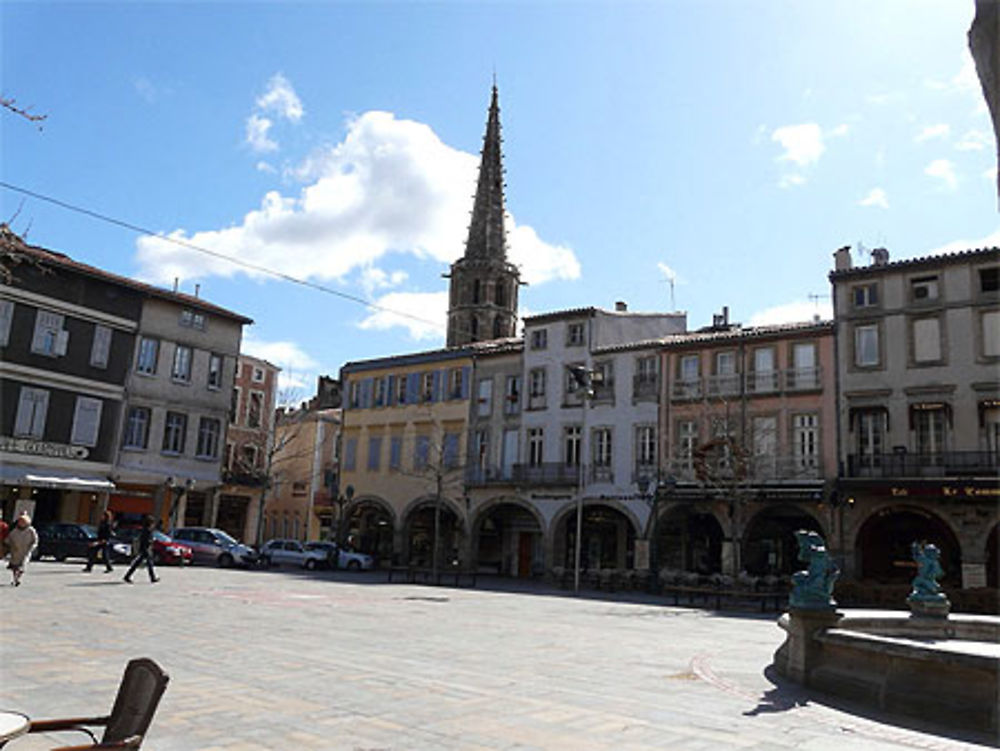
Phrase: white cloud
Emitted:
{"points": [[838, 132], [793, 312], [803, 144], [298, 369], [941, 130], [423, 314], [992, 240], [668, 273], [373, 279], [390, 187], [791, 180], [943, 169], [145, 89], [256, 134], [875, 197], [280, 98], [267, 167], [973, 140]]}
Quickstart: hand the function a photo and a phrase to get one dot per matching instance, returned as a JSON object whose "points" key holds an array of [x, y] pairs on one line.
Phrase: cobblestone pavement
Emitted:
{"points": [[285, 660]]}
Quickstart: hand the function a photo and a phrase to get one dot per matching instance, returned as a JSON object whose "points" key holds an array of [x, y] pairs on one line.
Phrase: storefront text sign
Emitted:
{"points": [[42, 448]]}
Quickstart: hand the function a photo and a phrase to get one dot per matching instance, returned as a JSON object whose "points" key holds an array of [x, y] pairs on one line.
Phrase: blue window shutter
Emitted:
{"points": [[366, 393], [412, 388], [395, 452], [436, 391], [466, 374], [350, 453], [390, 397]]}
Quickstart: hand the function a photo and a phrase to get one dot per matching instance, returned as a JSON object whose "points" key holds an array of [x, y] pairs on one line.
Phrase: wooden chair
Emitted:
{"points": [[138, 696]]}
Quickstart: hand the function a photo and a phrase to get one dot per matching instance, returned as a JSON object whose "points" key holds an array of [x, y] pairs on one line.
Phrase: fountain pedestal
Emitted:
{"points": [[799, 654]]}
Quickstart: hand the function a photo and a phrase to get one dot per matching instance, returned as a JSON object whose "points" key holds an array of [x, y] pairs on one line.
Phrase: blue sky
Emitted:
{"points": [[730, 145]]}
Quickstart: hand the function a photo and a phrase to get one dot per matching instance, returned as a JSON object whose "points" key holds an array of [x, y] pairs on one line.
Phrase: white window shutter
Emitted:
{"points": [[31, 411], [86, 421], [101, 348], [62, 342], [6, 316]]}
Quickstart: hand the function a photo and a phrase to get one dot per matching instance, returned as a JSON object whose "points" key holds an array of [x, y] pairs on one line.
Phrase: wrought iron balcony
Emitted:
{"points": [[727, 384], [762, 382], [476, 476], [687, 389], [751, 470], [942, 464], [645, 387], [802, 379], [547, 473]]}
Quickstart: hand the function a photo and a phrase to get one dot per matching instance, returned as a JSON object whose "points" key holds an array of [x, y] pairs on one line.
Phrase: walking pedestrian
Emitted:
{"points": [[102, 544], [21, 540], [145, 551], [4, 529]]}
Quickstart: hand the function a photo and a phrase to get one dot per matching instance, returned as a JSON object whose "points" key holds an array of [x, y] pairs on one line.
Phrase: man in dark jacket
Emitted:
{"points": [[102, 544], [144, 551]]}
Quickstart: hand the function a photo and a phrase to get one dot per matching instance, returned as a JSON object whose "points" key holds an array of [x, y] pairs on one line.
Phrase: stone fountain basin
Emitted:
{"points": [[940, 669]]}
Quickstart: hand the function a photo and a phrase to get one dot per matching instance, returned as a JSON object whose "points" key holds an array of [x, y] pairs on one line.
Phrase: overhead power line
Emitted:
{"points": [[215, 254]]}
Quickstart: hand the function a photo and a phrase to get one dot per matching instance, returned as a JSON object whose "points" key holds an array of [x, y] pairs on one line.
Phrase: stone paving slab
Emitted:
{"points": [[279, 660]]}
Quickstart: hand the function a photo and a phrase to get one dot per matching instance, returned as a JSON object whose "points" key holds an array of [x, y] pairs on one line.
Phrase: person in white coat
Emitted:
{"points": [[22, 539]]}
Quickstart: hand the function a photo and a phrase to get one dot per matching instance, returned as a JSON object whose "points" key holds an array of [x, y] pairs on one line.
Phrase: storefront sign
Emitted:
{"points": [[947, 491], [42, 448]]}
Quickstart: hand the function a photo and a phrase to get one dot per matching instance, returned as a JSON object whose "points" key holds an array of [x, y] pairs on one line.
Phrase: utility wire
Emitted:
{"points": [[215, 254]]}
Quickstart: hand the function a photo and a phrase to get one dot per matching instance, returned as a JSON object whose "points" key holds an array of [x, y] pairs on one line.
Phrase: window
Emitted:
{"points": [[476, 291], [536, 446], [764, 433], [209, 431], [6, 317], [192, 320], [687, 438], [500, 293], [723, 431], [380, 392], [571, 443], [539, 339], [805, 442], [137, 428], [234, 404], [449, 451], [865, 295], [354, 394], [990, 323], [871, 437], [254, 409], [401, 389], [481, 448], [149, 351], [101, 347], [350, 454], [765, 378], [374, 453], [484, 405], [989, 279], [645, 446], [249, 457], [512, 395], [926, 340], [86, 421], [214, 371], [32, 408], [173, 433], [427, 386], [688, 371], [866, 345], [603, 380], [422, 453], [575, 386], [804, 374], [49, 337], [258, 375], [602, 449], [991, 428], [930, 424], [725, 373], [536, 383], [924, 288], [497, 326], [574, 335], [395, 452], [181, 369], [455, 383], [646, 369]]}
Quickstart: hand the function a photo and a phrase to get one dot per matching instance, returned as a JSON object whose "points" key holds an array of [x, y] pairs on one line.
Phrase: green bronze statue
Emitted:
{"points": [[925, 584], [812, 589]]}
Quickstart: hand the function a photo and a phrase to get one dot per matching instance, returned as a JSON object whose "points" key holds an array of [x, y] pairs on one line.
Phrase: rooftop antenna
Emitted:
{"points": [[815, 298], [670, 277]]}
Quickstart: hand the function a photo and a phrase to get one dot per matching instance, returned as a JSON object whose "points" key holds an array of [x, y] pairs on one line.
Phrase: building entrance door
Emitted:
{"points": [[525, 544]]}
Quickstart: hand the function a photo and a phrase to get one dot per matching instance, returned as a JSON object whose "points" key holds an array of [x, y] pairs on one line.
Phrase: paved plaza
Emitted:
{"points": [[286, 660]]}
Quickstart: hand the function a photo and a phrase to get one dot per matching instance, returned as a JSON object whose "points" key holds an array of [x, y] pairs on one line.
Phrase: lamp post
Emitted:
{"points": [[176, 489], [658, 490], [587, 380]]}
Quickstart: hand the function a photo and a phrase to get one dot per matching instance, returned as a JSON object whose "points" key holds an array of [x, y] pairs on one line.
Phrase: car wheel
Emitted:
{"points": [[265, 561], [310, 564], [353, 566], [225, 560]]}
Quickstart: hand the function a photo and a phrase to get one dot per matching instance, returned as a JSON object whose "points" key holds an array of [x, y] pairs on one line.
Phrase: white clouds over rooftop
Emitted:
{"points": [[941, 130], [803, 144], [944, 170], [875, 197]]}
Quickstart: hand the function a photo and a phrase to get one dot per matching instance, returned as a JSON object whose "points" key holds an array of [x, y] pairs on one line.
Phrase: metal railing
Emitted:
{"points": [[547, 473], [941, 464], [727, 384], [644, 387], [753, 383], [752, 470]]}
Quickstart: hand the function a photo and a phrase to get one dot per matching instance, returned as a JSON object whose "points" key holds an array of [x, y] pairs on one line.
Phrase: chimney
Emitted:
{"points": [[177, 282], [721, 320], [880, 257], [197, 289], [842, 259], [621, 306]]}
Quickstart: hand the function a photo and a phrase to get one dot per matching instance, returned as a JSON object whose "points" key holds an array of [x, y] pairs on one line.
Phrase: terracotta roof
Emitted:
{"points": [[475, 349], [730, 334], [960, 256], [11, 242]]}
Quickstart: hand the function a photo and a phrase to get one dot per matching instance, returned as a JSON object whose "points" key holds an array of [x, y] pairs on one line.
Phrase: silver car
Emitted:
{"points": [[210, 545], [291, 552]]}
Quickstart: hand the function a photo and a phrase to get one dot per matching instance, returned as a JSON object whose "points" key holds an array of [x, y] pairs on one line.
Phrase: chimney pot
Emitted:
{"points": [[621, 306], [880, 257], [842, 259]]}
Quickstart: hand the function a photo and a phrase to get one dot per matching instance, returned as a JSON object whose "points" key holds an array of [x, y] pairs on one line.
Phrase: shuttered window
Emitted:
{"points": [[86, 421], [31, 410], [6, 316], [49, 337], [101, 347]]}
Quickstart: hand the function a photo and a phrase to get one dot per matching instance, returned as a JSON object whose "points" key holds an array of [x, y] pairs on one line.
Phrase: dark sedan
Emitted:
{"points": [[62, 540]]}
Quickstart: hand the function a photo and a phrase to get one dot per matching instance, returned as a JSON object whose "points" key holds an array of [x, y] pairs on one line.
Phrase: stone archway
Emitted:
{"points": [[688, 539], [608, 539], [883, 544], [368, 528], [507, 539], [419, 532], [769, 544]]}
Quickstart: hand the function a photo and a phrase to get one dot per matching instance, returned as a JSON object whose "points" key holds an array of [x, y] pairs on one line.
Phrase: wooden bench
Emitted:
{"points": [[706, 595], [427, 575]]}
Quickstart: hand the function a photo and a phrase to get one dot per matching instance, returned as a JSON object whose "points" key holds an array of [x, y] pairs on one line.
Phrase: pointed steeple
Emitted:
{"points": [[487, 237]]}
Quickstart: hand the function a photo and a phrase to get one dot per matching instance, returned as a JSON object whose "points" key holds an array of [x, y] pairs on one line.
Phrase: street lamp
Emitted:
{"points": [[177, 489], [588, 380]]}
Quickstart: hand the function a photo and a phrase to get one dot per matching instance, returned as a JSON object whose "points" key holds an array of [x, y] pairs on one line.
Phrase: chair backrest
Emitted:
{"points": [[138, 696]]}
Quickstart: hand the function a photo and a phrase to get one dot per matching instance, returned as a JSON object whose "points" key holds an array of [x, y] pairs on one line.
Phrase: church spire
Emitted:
{"points": [[487, 238]]}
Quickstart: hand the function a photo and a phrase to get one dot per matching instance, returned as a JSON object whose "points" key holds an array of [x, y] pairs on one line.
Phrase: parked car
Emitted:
{"points": [[337, 557], [292, 552], [210, 545], [62, 540], [166, 550]]}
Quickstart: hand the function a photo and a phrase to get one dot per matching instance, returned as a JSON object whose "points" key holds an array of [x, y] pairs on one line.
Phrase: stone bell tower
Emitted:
{"points": [[482, 301]]}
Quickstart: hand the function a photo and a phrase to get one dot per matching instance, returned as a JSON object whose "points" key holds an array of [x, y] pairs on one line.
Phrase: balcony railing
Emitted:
{"points": [[687, 389], [801, 379], [547, 473], [645, 387], [942, 464], [477, 476], [762, 382], [753, 384], [727, 384], [753, 470]]}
